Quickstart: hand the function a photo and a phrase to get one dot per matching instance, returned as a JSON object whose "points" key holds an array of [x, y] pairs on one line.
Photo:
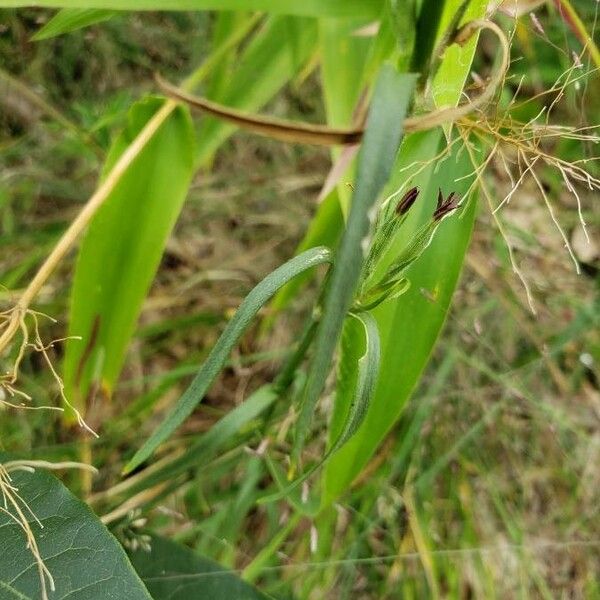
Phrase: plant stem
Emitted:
{"points": [[572, 19]]}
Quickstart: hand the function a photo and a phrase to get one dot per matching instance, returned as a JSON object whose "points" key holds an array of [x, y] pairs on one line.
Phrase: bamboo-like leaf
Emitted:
{"points": [[309, 8], [71, 19], [410, 324], [253, 302], [343, 57], [453, 71], [391, 99], [122, 249]]}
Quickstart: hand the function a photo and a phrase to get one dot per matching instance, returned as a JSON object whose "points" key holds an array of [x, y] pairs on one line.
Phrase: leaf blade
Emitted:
{"points": [[173, 572], [382, 137], [253, 302], [311, 8], [122, 247], [71, 19]]}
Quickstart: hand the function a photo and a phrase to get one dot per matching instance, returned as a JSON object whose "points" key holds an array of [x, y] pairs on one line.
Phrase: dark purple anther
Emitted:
{"points": [[407, 201], [445, 206]]}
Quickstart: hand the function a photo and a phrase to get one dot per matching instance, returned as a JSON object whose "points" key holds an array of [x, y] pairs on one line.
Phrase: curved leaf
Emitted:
{"points": [[361, 341], [218, 355], [84, 559], [410, 325]]}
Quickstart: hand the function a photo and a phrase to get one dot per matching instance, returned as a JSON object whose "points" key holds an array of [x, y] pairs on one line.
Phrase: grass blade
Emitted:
{"points": [[363, 350], [391, 99], [71, 19], [410, 325], [308, 8], [253, 302], [267, 64]]}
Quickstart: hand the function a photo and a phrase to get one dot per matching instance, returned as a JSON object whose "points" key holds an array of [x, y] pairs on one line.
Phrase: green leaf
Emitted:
{"points": [[450, 78], [84, 559], [173, 572], [343, 57], [308, 8], [361, 340], [253, 302], [410, 325], [71, 19], [121, 250], [218, 438], [391, 98]]}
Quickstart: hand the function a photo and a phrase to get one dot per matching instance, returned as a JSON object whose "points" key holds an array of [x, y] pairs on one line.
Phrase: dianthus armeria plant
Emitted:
{"points": [[410, 137]]}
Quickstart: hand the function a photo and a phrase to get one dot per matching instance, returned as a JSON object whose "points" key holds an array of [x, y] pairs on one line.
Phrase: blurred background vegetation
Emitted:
{"points": [[488, 487]]}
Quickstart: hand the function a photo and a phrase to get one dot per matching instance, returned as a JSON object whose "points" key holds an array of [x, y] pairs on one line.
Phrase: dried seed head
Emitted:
{"points": [[407, 201]]}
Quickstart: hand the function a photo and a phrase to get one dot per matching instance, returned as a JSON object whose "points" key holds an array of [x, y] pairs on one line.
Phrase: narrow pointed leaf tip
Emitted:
{"points": [[253, 302]]}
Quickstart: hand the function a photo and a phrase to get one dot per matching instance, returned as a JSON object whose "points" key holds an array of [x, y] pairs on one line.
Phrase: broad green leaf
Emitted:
{"points": [[410, 325], [71, 19], [268, 63], [122, 248], [174, 572], [253, 302], [84, 559], [307, 8], [391, 98], [343, 54], [450, 78]]}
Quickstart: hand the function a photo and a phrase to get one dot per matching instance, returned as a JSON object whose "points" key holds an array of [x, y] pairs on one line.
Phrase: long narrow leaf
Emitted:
{"points": [[391, 99], [253, 302], [410, 325], [71, 19], [216, 439], [266, 65], [309, 8]]}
